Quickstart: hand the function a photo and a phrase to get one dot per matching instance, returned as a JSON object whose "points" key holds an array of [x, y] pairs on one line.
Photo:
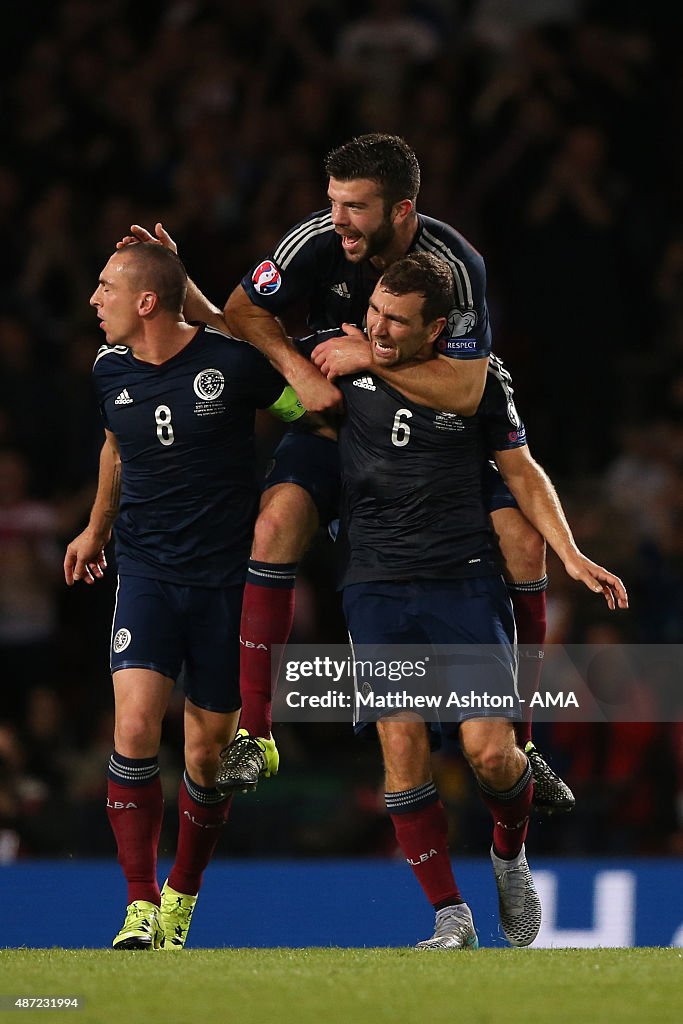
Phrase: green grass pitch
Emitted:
{"points": [[350, 986]]}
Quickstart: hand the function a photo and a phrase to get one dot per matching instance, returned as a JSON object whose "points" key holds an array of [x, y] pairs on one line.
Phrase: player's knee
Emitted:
{"points": [[488, 760], [202, 760], [399, 750], [405, 750], [269, 534], [525, 558], [532, 552], [137, 735], [285, 527]]}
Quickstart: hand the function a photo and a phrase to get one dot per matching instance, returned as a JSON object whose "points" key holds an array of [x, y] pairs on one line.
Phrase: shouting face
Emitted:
{"points": [[360, 218], [396, 329]]}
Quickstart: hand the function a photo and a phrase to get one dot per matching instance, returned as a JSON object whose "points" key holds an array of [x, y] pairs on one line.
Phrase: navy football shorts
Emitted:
{"points": [[495, 491], [465, 625], [166, 627], [312, 462]]}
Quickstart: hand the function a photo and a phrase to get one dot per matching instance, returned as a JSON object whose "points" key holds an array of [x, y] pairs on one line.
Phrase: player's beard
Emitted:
{"points": [[375, 244], [380, 240]]}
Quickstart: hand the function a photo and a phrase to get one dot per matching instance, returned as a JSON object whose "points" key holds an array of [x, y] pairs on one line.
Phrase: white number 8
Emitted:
{"points": [[400, 431], [162, 415]]}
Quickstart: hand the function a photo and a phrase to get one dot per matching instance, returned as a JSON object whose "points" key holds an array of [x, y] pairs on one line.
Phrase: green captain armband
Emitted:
{"points": [[288, 407]]}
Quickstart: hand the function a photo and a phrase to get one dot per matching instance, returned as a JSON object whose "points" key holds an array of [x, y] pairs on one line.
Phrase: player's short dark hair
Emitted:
{"points": [[156, 268], [427, 275], [386, 159]]}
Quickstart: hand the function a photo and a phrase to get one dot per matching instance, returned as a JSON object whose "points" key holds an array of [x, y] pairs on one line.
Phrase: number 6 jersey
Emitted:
{"points": [[412, 506]]}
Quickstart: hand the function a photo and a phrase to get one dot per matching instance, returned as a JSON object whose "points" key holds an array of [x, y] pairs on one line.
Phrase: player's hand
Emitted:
{"points": [[316, 394], [140, 234], [597, 579], [84, 560], [349, 353]]}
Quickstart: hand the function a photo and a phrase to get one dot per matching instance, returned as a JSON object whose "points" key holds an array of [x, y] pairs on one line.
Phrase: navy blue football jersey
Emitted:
{"points": [[309, 264], [499, 420], [412, 505], [185, 430], [501, 425]]}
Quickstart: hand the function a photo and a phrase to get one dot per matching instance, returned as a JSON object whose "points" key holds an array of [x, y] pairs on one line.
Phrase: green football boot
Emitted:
{"points": [[175, 915], [244, 761], [141, 929]]}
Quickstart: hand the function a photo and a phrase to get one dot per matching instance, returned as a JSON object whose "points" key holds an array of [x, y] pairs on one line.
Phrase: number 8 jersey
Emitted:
{"points": [[185, 430]]}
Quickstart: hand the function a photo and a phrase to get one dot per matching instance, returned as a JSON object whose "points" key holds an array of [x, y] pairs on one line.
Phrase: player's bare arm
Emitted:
{"points": [[85, 559], [196, 306], [452, 385], [265, 332], [539, 501]]}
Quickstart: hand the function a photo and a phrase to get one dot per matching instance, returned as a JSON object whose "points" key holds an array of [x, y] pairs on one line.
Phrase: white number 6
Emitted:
{"points": [[400, 431]]}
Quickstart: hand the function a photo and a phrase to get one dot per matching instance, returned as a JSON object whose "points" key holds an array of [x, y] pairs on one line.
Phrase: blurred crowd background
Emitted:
{"points": [[548, 132]]}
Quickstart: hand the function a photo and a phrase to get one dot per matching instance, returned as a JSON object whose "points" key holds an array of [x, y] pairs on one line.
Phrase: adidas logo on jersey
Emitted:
{"points": [[364, 382], [341, 290], [124, 398]]}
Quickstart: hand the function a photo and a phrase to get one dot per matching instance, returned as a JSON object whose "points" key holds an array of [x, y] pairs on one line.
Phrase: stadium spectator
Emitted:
{"points": [[29, 572]]}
